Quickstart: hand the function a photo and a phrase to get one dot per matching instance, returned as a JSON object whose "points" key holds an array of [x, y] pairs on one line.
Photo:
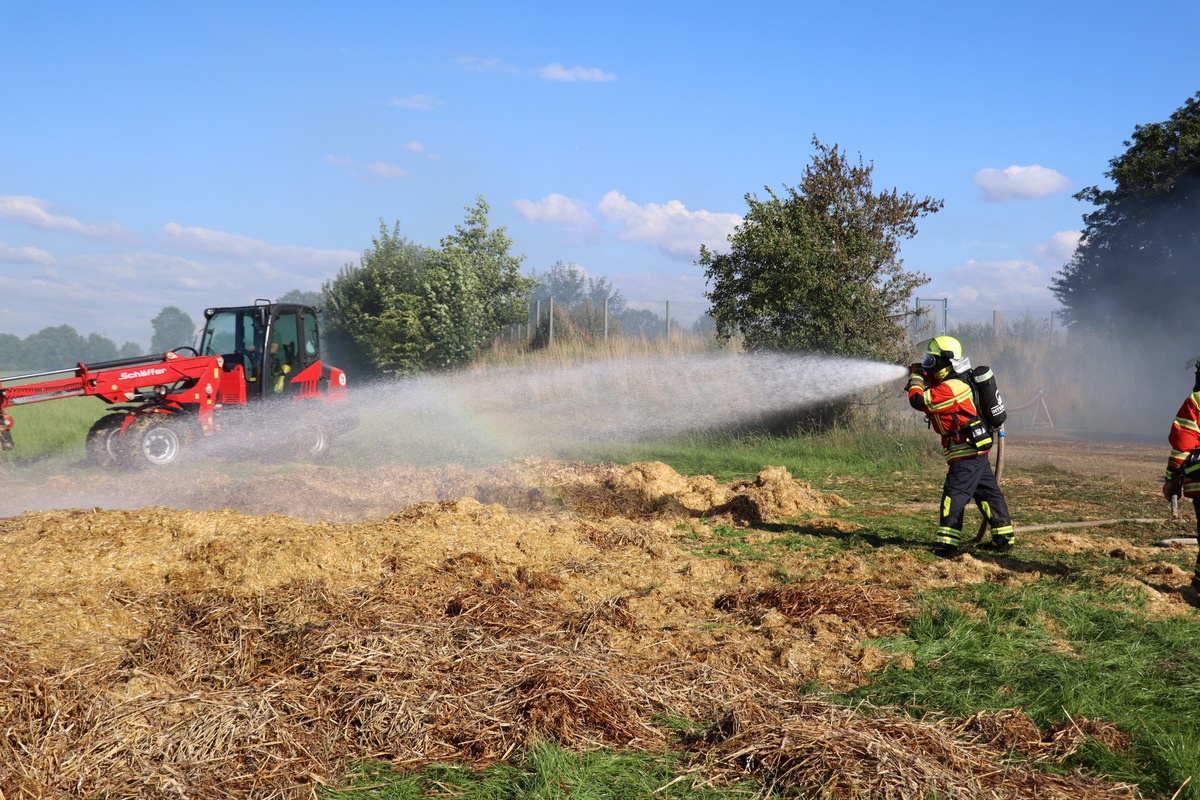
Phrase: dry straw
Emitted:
{"points": [[267, 654]]}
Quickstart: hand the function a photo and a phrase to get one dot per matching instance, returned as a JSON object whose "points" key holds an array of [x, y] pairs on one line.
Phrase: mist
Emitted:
{"points": [[473, 418]]}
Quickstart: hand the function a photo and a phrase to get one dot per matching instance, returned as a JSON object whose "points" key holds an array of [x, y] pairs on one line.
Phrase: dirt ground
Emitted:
{"points": [[150, 626]]}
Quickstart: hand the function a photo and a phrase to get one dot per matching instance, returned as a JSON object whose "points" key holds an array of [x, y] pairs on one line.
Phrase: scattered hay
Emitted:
{"points": [[878, 611], [1013, 730], [450, 615], [814, 749]]}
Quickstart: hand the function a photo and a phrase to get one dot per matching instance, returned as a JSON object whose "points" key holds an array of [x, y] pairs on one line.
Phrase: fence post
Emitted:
{"points": [[550, 336], [606, 319], [667, 330]]}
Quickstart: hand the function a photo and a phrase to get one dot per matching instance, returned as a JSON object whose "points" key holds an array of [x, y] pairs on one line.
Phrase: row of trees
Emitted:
{"points": [[61, 346]]}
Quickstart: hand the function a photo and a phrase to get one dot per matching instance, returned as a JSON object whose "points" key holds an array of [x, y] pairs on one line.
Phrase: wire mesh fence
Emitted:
{"points": [[549, 322]]}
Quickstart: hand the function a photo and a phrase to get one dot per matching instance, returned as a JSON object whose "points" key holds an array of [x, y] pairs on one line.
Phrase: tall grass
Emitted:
{"points": [[52, 429], [570, 350]]}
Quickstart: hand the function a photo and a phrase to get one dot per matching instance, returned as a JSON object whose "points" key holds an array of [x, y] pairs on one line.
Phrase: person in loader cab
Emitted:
{"points": [[1183, 465], [938, 386]]}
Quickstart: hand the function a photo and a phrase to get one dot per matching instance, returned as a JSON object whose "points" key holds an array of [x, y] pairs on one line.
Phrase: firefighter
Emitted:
{"points": [[937, 387], [1183, 465]]}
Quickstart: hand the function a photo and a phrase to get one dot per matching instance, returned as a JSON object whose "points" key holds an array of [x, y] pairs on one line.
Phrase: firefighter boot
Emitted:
{"points": [[998, 544]]}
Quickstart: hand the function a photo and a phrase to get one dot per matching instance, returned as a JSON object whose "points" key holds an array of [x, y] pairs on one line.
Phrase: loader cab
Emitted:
{"points": [[272, 342]]}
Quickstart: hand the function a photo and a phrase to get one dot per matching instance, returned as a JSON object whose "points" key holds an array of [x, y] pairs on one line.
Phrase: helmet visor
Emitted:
{"points": [[929, 361]]}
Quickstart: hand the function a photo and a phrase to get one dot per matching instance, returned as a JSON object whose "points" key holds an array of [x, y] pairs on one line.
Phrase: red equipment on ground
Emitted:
{"points": [[258, 370]]}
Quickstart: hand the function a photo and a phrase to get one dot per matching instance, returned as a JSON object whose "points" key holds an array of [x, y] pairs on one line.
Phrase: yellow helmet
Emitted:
{"points": [[941, 357]]}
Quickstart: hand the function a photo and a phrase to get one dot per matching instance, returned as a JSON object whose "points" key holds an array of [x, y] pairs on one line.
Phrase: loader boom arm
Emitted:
{"points": [[171, 377]]}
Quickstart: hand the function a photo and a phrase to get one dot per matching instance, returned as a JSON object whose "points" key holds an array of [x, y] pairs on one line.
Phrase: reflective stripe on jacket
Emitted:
{"points": [[1184, 438], [950, 407]]}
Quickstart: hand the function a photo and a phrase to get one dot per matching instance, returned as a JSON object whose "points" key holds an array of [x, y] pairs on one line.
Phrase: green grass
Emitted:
{"points": [[1058, 649], [873, 452], [544, 772], [51, 430]]}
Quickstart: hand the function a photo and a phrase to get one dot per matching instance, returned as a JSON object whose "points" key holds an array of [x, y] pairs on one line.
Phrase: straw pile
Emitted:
{"points": [[160, 652]]}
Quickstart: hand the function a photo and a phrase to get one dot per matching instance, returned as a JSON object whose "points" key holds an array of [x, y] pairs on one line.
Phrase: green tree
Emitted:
{"points": [[571, 286], [405, 307], [99, 348], [373, 309], [56, 347], [818, 269], [591, 302], [172, 328], [12, 353], [473, 290], [483, 278], [313, 299], [1137, 265]]}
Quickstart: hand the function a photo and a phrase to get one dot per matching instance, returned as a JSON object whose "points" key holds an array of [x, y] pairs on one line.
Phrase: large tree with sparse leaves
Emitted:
{"points": [[1137, 266], [818, 269]]}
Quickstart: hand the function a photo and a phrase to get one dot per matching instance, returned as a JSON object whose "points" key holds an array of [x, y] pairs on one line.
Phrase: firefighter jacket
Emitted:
{"points": [[949, 407], [1185, 441]]}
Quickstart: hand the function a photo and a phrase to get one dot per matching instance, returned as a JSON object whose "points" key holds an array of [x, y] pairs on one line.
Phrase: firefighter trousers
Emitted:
{"points": [[970, 479], [1196, 573]]}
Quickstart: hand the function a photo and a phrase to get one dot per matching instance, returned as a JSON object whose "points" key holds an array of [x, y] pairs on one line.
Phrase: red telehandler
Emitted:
{"points": [[257, 371]]}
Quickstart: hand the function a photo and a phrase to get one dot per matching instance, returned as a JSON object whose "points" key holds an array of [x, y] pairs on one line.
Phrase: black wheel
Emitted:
{"points": [[103, 441], [314, 442], [155, 441]]}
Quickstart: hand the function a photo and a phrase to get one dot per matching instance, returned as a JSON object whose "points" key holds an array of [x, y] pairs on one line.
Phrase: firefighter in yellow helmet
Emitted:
{"points": [[1183, 465], [938, 386]]}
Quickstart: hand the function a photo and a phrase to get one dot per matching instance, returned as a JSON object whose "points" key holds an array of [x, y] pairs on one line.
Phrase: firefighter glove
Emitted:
{"points": [[1173, 487], [915, 381]]}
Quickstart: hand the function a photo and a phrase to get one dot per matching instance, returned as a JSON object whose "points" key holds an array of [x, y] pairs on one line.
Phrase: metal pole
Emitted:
{"points": [[550, 339], [667, 332], [606, 320]]}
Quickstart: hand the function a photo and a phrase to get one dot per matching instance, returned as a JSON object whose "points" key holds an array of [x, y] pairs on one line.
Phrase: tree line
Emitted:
{"points": [[61, 346]]}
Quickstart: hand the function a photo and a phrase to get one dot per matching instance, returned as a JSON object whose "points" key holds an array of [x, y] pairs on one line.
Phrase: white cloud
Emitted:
{"points": [[557, 72], [1059, 248], [419, 102], [275, 260], [1020, 183], [382, 169], [35, 213], [1009, 286], [419, 148], [670, 228], [477, 64], [572, 216], [376, 169], [641, 288], [25, 255]]}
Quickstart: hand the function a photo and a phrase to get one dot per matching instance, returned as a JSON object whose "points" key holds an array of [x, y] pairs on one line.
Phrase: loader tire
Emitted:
{"points": [[102, 445], [313, 442], [155, 441]]}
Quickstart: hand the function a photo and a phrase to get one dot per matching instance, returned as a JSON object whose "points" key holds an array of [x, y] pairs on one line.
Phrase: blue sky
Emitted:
{"points": [[195, 154]]}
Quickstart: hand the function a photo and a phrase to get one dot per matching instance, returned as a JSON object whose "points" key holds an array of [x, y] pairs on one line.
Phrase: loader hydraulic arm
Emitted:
{"points": [[163, 378]]}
